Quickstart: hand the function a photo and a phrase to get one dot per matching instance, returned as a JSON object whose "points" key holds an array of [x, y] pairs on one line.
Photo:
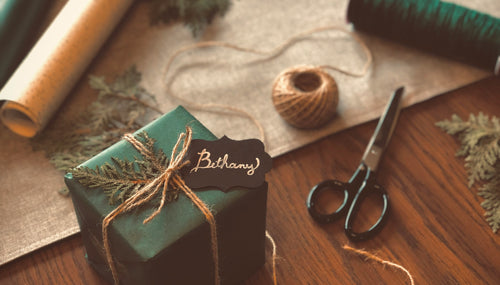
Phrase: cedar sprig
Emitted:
{"points": [[121, 178], [196, 14], [480, 145], [122, 106]]}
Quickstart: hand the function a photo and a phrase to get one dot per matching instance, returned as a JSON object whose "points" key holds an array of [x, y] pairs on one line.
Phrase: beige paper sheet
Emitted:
{"points": [[32, 214]]}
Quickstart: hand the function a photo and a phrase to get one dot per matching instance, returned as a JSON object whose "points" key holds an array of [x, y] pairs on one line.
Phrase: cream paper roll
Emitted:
{"points": [[41, 82]]}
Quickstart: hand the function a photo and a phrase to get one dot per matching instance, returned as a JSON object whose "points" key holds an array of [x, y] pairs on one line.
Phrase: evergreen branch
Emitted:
{"points": [[491, 194], [196, 14], [480, 145], [69, 142], [121, 179], [126, 87]]}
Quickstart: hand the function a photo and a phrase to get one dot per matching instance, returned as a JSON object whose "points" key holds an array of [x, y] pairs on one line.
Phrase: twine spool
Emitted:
{"points": [[305, 96]]}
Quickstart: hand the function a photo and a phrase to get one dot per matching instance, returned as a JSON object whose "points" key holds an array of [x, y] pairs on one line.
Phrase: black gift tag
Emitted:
{"points": [[226, 163]]}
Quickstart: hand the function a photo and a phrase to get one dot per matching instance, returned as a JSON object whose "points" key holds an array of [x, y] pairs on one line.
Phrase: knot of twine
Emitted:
{"points": [[305, 96], [168, 178]]}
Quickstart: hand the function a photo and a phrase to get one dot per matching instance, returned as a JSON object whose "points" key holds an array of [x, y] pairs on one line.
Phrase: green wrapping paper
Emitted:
{"points": [[175, 247]]}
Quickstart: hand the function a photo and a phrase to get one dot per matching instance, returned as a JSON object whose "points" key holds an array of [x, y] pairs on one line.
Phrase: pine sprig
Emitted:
{"points": [[121, 179], [480, 145], [121, 107], [196, 14], [491, 194]]}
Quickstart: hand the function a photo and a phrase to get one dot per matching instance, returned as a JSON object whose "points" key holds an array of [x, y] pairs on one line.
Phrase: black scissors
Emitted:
{"points": [[362, 182]]}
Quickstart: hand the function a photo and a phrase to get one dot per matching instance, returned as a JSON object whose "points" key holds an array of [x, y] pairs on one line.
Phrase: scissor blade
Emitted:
{"points": [[383, 131]]}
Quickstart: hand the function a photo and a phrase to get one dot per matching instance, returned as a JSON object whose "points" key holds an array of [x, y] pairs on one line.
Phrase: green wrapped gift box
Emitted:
{"points": [[174, 247]]}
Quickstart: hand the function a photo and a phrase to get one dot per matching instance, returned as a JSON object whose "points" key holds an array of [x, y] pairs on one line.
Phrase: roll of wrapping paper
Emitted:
{"points": [[18, 21], [42, 81], [440, 27]]}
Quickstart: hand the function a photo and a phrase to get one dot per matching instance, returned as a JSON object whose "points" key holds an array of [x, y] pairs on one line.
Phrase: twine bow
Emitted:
{"points": [[168, 178]]}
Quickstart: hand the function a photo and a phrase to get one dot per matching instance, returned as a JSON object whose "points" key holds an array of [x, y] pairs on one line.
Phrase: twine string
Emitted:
{"points": [[305, 96], [149, 191], [381, 261], [279, 49], [209, 217], [273, 257], [169, 174], [269, 54], [166, 176]]}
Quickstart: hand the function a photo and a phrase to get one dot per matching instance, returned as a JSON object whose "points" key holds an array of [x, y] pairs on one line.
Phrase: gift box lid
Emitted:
{"points": [[138, 241]]}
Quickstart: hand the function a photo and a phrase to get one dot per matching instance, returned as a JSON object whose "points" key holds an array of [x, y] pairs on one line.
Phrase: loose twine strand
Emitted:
{"points": [[273, 257], [381, 261], [272, 53], [146, 193]]}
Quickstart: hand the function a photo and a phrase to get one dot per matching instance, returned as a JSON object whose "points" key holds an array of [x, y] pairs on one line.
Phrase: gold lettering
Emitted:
{"points": [[252, 168], [205, 162], [204, 156]]}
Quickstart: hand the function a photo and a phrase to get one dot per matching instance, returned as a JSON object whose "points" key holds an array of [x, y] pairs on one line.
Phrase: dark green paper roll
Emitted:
{"points": [[18, 24], [439, 27]]}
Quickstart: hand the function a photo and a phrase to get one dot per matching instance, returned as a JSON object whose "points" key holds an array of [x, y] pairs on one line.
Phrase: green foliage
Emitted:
{"points": [[121, 179], [196, 14], [120, 108], [480, 139]]}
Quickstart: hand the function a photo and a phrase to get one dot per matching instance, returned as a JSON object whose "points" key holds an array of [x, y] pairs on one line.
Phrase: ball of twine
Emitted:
{"points": [[305, 96]]}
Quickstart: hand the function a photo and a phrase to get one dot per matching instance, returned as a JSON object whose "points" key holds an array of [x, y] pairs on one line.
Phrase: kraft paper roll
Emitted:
{"points": [[42, 81]]}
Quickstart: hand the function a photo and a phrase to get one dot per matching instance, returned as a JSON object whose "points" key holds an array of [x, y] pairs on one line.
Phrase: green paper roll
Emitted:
{"points": [[440, 27], [18, 23]]}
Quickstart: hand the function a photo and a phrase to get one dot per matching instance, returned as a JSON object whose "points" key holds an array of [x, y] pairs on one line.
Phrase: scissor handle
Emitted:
{"points": [[368, 188], [314, 195]]}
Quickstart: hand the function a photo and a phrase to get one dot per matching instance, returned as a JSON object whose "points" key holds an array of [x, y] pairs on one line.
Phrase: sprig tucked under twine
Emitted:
{"points": [[269, 54], [169, 178]]}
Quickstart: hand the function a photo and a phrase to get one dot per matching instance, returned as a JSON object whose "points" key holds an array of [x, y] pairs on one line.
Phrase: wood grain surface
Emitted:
{"points": [[436, 227]]}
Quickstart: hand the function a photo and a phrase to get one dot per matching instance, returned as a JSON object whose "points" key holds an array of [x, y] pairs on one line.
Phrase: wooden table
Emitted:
{"points": [[436, 228]]}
